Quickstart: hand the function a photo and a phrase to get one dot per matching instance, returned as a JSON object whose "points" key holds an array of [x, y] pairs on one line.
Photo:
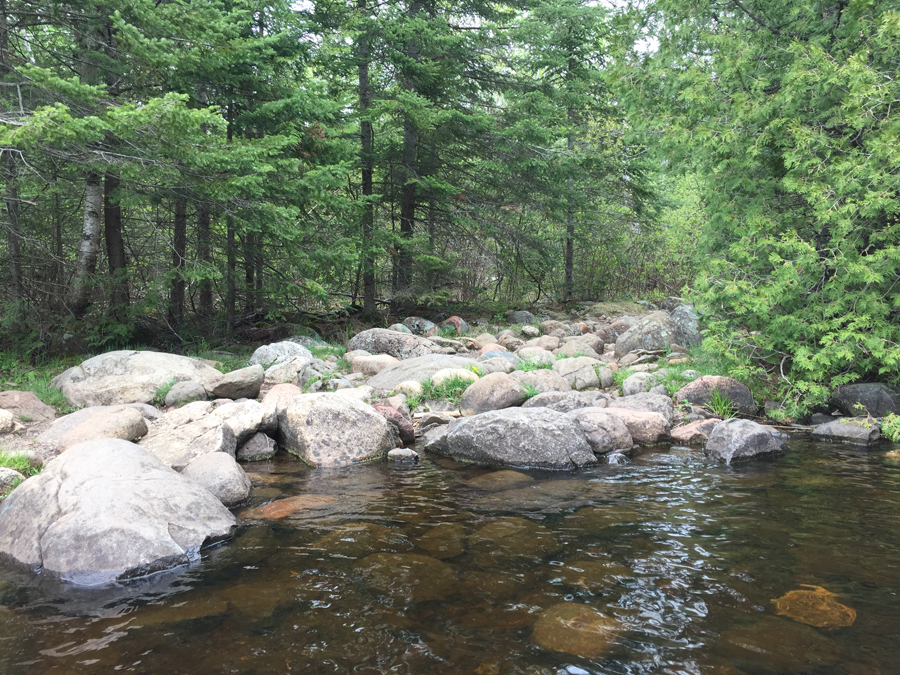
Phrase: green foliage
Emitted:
{"points": [[18, 463], [530, 391], [19, 375], [159, 399], [324, 351], [528, 365], [720, 405], [450, 389], [619, 376], [890, 427]]}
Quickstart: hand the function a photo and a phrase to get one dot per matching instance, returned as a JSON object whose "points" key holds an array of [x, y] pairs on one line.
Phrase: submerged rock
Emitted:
{"points": [[356, 540], [408, 578], [577, 629], [282, 508], [108, 510], [445, 540], [499, 480], [816, 607], [508, 540]]}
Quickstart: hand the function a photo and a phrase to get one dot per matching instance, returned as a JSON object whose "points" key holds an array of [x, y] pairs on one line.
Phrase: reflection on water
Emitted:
{"points": [[665, 564]]}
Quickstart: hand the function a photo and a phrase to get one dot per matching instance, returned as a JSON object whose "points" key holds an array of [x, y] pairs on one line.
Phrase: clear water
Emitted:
{"points": [[686, 555]]}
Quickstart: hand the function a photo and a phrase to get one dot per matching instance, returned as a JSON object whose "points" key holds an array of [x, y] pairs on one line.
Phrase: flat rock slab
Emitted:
{"points": [[129, 377], [695, 432], [109, 510], [856, 430], [418, 369], [63, 430], [536, 438]]}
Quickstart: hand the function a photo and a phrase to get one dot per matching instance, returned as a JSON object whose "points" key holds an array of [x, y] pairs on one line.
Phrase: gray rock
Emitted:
{"points": [[637, 383], [186, 433], [112, 422], [434, 419], [129, 377], [109, 510], [399, 328], [648, 402], [403, 455], [491, 392], [8, 478], [496, 365], [419, 326], [522, 316], [26, 405], [604, 431], [258, 449], [856, 430], [530, 331], [657, 330], [873, 398], [247, 418], [185, 392], [645, 427], [279, 352], [543, 380], [372, 364], [565, 401], [221, 475], [326, 430], [688, 324], [700, 392], [279, 396], [433, 440], [737, 439], [288, 371], [536, 355], [399, 345], [537, 438], [659, 390], [54, 439], [417, 369], [493, 355], [243, 383], [580, 372]]}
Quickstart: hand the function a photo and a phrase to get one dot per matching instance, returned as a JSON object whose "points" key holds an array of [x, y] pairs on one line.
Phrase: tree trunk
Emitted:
{"points": [[249, 273], [115, 246], [86, 261], [367, 144], [14, 238], [569, 284], [179, 252], [408, 159], [229, 274], [204, 254]]}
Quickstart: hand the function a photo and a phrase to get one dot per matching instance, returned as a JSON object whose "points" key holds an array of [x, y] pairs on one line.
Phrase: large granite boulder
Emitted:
{"points": [[399, 345], [246, 418], [130, 377], [522, 316], [279, 352], [646, 428], [109, 510], [657, 330], [700, 392], [326, 430], [581, 372], [242, 383], [219, 473], [605, 432], [566, 401], [492, 392], [856, 430], [417, 369], [647, 402], [688, 324], [542, 379], [94, 423], [181, 435], [873, 398], [537, 438], [737, 439]]}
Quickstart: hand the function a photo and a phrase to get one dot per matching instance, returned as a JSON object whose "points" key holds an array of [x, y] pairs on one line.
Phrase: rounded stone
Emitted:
{"points": [[576, 629], [219, 473]]}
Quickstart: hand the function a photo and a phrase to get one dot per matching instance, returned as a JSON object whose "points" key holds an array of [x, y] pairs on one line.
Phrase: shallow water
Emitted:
{"points": [[412, 570]]}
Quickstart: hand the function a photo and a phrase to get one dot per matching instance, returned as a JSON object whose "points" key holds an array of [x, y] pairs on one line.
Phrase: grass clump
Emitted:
{"points": [[528, 365], [324, 351], [22, 376], [619, 376], [19, 463], [159, 399], [530, 391], [720, 405], [450, 389]]}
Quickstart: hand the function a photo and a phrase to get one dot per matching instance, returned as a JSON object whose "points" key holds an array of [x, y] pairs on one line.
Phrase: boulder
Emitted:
{"points": [[646, 428], [538, 438], [647, 402], [492, 392], [409, 388], [609, 334], [522, 316], [246, 418], [220, 474], [399, 328], [54, 438], [185, 392], [656, 330], [287, 371], [605, 431], [418, 369], [258, 449], [737, 439], [580, 372], [130, 377], [403, 455], [457, 324], [565, 401], [405, 431], [8, 423], [361, 393], [873, 398], [399, 345], [530, 331], [688, 323], [109, 510], [546, 342], [576, 628], [8, 478], [699, 392], [279, 352], [496, 365], [419, 326], [26, 406], [695, 432], [242, 383], [113, 422], [325, 430], [543, 380], [536, 355], [485, 339], [279, 396], [856, 430], [372, 364], [491, 347], [181, 435], [637, 383], [498, 354]]}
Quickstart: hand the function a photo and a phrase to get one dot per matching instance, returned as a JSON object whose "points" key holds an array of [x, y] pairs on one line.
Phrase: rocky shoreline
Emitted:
{"points": [[128, 489]]}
